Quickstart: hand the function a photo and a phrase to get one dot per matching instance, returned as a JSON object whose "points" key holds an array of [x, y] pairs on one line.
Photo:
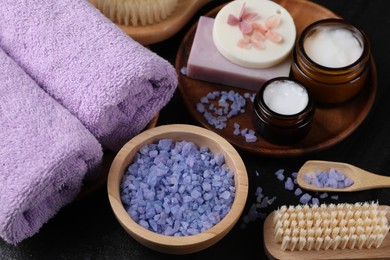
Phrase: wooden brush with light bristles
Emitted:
{"points": [[336, 227], [136, 12]]}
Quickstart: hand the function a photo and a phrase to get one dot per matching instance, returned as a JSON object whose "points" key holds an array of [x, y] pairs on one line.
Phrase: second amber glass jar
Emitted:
{"points": [[331, 85], [282, 128]]}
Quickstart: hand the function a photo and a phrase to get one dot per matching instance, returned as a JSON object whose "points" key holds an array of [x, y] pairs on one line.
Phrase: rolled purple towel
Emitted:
{"points": [[45, 152], [111, 83]]}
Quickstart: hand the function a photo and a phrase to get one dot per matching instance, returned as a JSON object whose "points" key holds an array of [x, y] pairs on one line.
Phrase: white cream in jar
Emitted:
{"points": [[285, 97], [333, 47]]}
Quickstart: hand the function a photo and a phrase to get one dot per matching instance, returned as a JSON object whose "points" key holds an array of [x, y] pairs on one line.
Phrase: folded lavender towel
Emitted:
{"points": [[111, 83], [45, 152]]}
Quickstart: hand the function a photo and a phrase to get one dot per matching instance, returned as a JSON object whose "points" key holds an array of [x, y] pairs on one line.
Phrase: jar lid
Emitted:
{"points": [[254, 33]]}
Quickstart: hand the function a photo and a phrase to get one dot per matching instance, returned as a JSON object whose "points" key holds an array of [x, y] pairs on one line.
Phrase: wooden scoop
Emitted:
{"points": [[363, 180]]}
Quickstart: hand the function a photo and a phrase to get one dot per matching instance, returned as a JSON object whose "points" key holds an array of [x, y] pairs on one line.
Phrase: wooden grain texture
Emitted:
{"points": [[363, 180], [274, 251], [201, 137], [331, 124], [163, 30]]}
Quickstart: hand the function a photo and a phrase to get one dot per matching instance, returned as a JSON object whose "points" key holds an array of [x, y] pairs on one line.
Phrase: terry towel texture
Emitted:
{"points": [[45, 152], [111, 83]]}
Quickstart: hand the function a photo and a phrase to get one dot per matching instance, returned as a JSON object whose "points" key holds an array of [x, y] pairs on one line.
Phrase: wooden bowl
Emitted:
{"points": [[201, 137]]}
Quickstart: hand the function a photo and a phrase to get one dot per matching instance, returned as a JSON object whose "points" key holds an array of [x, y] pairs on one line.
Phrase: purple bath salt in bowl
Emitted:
{"points": [[177, 189], [331, 179]]}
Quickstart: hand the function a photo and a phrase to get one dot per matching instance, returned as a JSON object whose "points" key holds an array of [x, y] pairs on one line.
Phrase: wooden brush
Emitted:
{"points": [[136, 12], [330, 231], [330, 226]]}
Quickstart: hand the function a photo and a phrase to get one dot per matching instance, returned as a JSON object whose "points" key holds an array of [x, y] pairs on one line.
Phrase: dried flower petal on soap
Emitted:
{"points": [[267, 30], [243, 20], [253, 40]]}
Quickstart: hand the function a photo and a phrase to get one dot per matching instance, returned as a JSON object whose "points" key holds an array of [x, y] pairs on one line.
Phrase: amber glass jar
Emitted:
{"points": [[288, 126], [330, 84]]}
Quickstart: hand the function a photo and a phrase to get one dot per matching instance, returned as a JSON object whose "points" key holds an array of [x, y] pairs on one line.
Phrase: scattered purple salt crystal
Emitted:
{"points": [[259, 197], [244, 131], [236, 125], [261, 203], [297, 192], [323, 195], [211, 96], [258, 191], [250, 138], [305, 198], [289, 185], [270, 201], [280, 172], [232, 113], [257, 173], [252, 214], [315, 201], [280, 177], [334, 197], [204, 100], [220, 125], [183, 71], [219, 111], [200, 107], [294, 174], [223, 103], [229, 103]]}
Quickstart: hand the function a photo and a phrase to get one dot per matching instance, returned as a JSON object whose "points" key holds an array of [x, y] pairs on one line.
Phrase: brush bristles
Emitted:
{"points": [[136, 12], [330, 226]]}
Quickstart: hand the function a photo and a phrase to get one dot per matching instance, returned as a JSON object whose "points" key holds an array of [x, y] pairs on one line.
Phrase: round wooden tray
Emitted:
{"points": [[331, 124]]}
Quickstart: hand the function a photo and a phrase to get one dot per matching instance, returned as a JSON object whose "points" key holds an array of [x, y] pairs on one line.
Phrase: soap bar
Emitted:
{"points": [[254, 33], [207, 64]]}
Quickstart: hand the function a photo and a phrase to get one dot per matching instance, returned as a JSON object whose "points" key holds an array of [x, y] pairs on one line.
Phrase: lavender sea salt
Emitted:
{"points": [[177, 189], [332, 178]]}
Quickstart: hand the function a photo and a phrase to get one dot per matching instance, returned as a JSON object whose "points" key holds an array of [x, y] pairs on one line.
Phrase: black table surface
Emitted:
{"points": [[89, 230]]}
